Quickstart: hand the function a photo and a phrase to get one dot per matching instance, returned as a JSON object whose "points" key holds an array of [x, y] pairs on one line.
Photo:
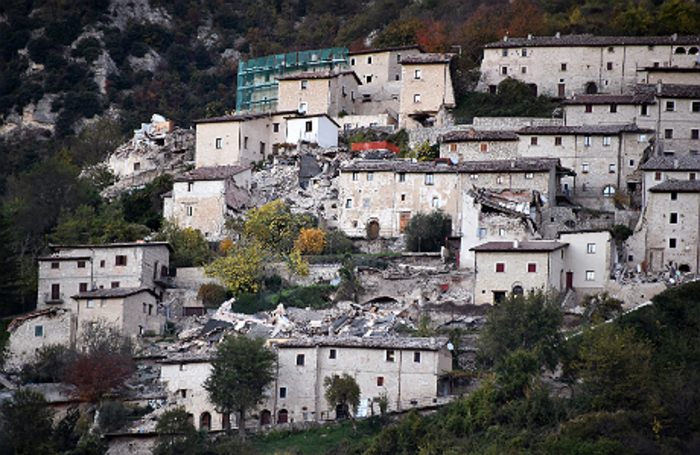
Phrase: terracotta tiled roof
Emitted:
{"points": [[672, 163], [427, 344], [681, 186], [522, 247], [592, 130], [519, 165], [385, 49], [637, 98], [477, 136], [210, 173], [418, 59], [590, 40], [112, 293], [18, 321]]}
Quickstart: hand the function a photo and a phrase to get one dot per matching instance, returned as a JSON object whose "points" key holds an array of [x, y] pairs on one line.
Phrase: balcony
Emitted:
{"points": [[51, 298]]}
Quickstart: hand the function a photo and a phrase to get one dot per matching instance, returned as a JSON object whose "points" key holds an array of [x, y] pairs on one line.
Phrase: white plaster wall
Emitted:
{"points": [[23, 343], [579, 260]]}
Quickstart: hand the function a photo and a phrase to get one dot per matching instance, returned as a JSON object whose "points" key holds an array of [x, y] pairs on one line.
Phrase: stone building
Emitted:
{"points": [[637, 107], [204, 197], [517, 267], [662, 168], [32, 331], [672, 230], [566, 65], [327, 92], [426, 92], [472, 145], [589, 259], [316, 129]]}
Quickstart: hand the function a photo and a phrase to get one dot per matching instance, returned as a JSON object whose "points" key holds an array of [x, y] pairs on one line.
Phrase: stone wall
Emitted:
{"points": [[513, 123]]}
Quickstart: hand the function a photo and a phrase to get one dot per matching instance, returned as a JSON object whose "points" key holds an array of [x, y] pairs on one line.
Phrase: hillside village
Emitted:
{"points": [[534, 203]]}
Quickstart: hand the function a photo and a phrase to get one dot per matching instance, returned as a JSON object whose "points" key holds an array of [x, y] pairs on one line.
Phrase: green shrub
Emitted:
{"points": [[212, 295], [113, 416]]}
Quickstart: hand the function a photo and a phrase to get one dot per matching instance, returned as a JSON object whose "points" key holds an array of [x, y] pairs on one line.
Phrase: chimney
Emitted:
{"points": [[674, 36], [516, 244]]}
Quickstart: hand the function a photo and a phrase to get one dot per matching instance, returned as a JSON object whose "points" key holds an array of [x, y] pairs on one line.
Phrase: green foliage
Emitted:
{"points": [[342, 392], [241, 369], [177, 434], [350, 287], [315, 296], [425, 152], [113, 416], [337, 243], [20, 438], [274, 226], [145, 206], [190, 247], [241, 269], [428, 232], [531, 323], [212, 295], [601, 307], [49, 364]]}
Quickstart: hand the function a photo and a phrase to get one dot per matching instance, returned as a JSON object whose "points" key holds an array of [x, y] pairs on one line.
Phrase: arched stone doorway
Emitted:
{"points": [[205, 421], [373, 229], [265, 417], [282, 416], [591, 88]]}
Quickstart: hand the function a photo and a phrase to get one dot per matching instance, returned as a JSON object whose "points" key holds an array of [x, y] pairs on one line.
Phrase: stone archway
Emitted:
{"points": [[591, 88]]}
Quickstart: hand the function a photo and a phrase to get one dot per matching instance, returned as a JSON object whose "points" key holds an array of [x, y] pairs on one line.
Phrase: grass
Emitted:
{"points": [[318, 441]]}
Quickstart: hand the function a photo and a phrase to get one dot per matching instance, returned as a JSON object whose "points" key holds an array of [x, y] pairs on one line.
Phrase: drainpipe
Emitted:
{"points": [[398, 395]]}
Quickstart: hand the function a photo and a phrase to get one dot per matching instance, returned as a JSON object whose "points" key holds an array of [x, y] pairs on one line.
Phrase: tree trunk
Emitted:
{"points": [[241, 424]]}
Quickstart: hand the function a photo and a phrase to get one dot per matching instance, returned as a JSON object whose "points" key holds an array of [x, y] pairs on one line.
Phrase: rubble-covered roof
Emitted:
{"points": [[18, 321], [680, 186], [639, 97], [672, 163], [329, 74], [210, 173], [426, 59], [518, 165], [473, 135], [308, 116], [236, 197], [519, 247], [591, 40], [385, 49], [424, 344], [592, 130], [112, 293]]}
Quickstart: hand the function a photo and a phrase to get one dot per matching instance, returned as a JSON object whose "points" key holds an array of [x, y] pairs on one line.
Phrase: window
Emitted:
{"points": [[695, 134], [355, 176], [120, 260], [504, 70], [524, 52], [505, 52], [674, 196], [668, 133], [348, 204], [613, 108], [55, 265], [611, 168], [309, 126], [473, 176], [275, 127], [523, 70], [300, 359], [533, 140], [416, 74], [499, 180], [114, 284], [190, 186], [670, 106], [39, 331], [416, 357], [609, 66], [691, 175], [283, 392], [366, 203], [304, 85], [453, 147], [695, 106], [500, 267], [55, 292], [402, 177], [589, 108], [563, 67], [380, 381], [436, 202], [673, 218], [529, 176], [219, 143], [332, 354], [590, 275], [609, 191], [81, 264], [370, 176], [587, 141], [91, 304], [190, 210], [137, 166], [429, 179], [590, 248], [416, 98], [352, 61], [302, 108], [611, 49], [481, 232], [368, 78], [369, 60], [657, 176], [82, 287], [501, 232], [532, 267], [102, 264], [245, 139], [584, 168], [644, 110], [390, 355], [557, 140], [262, 148], [403, 197], [183, 393], [484, 147], [632, 163], [671, 243]]}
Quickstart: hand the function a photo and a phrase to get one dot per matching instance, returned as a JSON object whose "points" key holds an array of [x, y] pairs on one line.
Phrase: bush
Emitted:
{"points": [[427, 232], [113, 416], [212, 295], [337, 243]]}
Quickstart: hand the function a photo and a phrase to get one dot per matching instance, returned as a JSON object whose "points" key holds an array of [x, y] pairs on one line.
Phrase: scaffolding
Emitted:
{"points": [[258, 87]]}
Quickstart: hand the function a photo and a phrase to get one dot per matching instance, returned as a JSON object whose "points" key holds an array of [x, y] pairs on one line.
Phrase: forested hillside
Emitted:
{"points": [[121, 61]]}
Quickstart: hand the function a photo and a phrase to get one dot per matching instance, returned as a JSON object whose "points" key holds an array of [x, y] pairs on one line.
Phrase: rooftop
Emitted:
{"points": [[385, 49], [672, 163], [680, 186], [590, 40], [210, 173], [470, 167], [427, 344], [637, 98], [138, 244], [476, 136], [592, 130], [418, 59], [112, 293], [519, 247], [319, 75]]}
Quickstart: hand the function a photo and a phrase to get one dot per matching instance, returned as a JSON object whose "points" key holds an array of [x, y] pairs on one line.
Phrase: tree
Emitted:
{"points": [[177, 434], [241, 270], [190, 247], [274, 226], [20, 437], [530, 323], [344, 393], [310, 241], [350, 287], [241, 369], [427, 232]]}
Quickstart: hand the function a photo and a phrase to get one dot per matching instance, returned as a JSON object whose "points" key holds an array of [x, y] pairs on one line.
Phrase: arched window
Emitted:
{"points": [[680, 50], [282, 416], [205, 421], [693, 51], [609, 191], [518, 290], [373, 229], [591, 88]]}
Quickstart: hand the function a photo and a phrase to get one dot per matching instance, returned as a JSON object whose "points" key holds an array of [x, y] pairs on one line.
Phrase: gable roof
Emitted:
{"points": [[426, 59], [319, 75], [478, 136], [308, 116], [113, 293], [522, 247], [680, 186], [94, 246], [640, 97], [231, 118], [386, 49], [210, 173], [672, 163], [469, 167], [589, 130], [424, 344], [587, 40]]}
